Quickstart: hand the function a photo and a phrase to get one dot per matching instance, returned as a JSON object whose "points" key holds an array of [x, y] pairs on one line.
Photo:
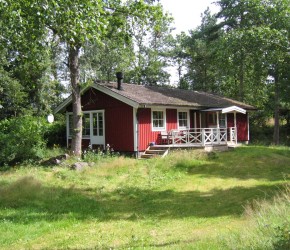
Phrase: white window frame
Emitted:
{"points": [[164, 120], [188, 121], [87, 136], [226, 121], [68, 127], [91, 123]]}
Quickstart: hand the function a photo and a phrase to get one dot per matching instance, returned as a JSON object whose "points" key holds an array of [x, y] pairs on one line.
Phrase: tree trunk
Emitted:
{"points": [[276, 135], [76, 146], [241, 77]]}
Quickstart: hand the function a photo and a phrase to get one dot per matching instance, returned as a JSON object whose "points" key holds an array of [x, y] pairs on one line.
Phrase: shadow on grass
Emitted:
{"points": [[267, 163], [27, 201]]}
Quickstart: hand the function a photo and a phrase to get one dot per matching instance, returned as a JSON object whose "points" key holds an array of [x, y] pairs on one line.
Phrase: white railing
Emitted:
{"points": [[233, 135], [202, 136]]}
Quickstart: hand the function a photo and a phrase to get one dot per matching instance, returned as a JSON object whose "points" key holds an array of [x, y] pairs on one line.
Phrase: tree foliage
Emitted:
{"points": [[238, 50]]}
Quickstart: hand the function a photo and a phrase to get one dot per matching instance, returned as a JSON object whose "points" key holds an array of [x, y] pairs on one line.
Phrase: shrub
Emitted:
{"points": [[55, 134], [21, 139]]}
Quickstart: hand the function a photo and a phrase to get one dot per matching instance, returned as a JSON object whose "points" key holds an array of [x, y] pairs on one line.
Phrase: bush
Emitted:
{"points": [[22, 139], [55, 134]]}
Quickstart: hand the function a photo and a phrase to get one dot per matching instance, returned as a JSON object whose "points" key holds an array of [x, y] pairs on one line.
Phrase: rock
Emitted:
{"points": [[56, 160], [62, 157], [79, 166]]}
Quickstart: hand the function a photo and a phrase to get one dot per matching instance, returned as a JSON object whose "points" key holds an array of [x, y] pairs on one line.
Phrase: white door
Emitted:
{"points": [[97, 128]]}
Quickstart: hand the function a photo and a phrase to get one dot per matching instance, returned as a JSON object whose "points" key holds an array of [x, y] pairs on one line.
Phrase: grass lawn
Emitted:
{"points": [[188, 200]]}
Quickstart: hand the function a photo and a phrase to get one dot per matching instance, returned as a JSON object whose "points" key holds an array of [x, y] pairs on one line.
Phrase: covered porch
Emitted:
{"points": [[213, 128], [199, 137]]}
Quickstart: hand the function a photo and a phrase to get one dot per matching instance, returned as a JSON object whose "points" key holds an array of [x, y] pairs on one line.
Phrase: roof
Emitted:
{"points": [[164, 96], [231, 109], [142, 95]]}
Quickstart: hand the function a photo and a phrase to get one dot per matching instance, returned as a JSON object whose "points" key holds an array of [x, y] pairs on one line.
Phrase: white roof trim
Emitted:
{"points": [[63, 104], [103, 90], [116, 95], [212, 109], [230, 109], [233, 109]]}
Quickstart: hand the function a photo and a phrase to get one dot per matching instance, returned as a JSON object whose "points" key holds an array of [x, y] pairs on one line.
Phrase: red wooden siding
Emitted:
{"points": [[171, 119], [145, 133], [192, 119], [119, 131], [230, 120], [242, 125]]}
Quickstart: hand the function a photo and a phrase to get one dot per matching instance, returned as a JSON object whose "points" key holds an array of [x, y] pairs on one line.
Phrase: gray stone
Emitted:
{"points": [[79, 166], [63, 157]]}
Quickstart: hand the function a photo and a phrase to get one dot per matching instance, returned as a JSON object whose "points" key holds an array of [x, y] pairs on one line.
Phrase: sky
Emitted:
{"points": [[187, 16], [187, 13]]}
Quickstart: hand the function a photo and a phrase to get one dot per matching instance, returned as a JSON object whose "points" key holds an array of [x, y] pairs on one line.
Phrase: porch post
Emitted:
{"points": [[194, 119], [218, 127], [236, 132], [199, 119], [203, 137], [135, 132], [67, 128], [248, 124]]}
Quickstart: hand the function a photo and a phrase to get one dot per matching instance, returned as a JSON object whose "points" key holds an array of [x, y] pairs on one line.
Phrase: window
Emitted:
{"points": [[183, 120], [93, 124], [98, 124], [70, 125], [212, 119], [222, 120], [158, 120], [86, 124]]}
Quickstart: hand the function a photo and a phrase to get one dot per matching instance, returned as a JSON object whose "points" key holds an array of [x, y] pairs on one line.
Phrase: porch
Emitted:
{"points": [[199, 137]]}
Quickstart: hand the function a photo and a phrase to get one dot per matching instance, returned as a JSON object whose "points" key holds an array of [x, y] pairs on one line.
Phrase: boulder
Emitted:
{"points": [[79, 166]]}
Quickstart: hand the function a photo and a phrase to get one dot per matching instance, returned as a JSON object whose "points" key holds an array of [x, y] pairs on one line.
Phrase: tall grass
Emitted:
{"points": [[267, 225], [188, 200]]}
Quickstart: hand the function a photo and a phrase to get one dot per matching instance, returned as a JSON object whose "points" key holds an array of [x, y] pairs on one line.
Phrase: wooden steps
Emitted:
{"points": [[155, 151]]}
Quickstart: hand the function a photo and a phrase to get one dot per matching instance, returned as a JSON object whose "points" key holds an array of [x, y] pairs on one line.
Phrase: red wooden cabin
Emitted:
{"points": [[130, 117]]}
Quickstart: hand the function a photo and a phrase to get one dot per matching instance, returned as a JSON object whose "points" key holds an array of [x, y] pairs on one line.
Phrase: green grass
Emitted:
{"points": [[188, 200]]}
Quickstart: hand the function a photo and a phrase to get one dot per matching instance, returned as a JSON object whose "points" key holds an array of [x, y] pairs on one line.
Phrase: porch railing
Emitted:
{"points": [[202, 136]]}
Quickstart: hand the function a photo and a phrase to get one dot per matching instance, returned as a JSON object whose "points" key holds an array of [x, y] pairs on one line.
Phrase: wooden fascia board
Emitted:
{"points": [[155, 106], [63, 104], [103, 90], [234, 109], [115, 95]]}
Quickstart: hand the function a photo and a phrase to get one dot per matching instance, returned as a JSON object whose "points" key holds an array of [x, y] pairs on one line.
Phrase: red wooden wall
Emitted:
{"points": [[242, 125], [118, 119], [145, 133]]}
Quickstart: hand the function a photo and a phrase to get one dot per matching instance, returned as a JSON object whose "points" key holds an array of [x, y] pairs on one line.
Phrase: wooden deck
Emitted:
{"points": [[208, 139], [199, 137]]}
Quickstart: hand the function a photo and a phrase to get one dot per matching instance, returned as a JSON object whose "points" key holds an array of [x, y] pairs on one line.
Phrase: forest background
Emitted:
{"points": [[49, 49]]}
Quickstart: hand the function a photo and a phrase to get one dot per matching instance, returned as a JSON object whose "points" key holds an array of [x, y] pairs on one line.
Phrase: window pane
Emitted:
{"points": [[70, 125], [95, 124], [222, 120], [158, 119], [182, 119], [86, 124]]}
